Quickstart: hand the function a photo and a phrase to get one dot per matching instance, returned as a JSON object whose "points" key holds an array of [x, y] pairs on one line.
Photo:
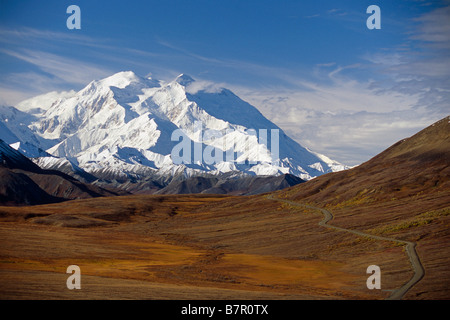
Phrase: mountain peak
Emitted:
{"points": [[121, 79], [184, 80]]}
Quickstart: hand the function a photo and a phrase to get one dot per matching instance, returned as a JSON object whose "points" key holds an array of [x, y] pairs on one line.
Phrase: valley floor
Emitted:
{"points": [[194, 247]]}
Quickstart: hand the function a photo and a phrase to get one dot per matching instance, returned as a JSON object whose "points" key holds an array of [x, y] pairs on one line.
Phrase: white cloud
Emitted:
{"points": [[29, 84], [435, 28], [10, 97], [54, 73], [346, 121], [351, 120], [207, 86], [69, 70]]}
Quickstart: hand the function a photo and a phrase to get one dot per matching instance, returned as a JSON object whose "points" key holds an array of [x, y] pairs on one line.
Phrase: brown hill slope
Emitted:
{"points": [[404, 193], [419, 164], [17, 188]]}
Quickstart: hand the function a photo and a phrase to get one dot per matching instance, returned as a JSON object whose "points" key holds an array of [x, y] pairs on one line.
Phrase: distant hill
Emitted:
{"points": [[25, 183], [246, 185]]}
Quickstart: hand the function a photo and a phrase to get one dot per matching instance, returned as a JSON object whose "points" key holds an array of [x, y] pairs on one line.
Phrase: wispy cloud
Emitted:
{"points": [[346, 120], [54, 68], [421, 72], [70, 71], [352, 119], [31, 33], [48, 69], [434, 28]]}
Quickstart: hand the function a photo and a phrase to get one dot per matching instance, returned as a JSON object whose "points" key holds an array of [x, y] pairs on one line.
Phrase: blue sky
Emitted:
{"points": [[312, 67]]}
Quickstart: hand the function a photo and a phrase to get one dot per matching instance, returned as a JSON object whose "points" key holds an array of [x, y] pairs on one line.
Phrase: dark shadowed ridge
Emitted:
{"points": [[249, 185], [24, 183]]}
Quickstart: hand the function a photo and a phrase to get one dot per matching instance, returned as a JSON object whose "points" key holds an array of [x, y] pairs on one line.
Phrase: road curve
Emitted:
{"points": [[416, 264]]}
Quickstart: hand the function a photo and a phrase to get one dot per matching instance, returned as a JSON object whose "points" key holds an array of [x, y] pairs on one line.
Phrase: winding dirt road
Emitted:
{"points": [[417, 266]]}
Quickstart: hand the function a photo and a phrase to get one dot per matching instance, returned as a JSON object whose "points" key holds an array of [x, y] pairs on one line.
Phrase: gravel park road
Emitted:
{"points": [[417, 266]]}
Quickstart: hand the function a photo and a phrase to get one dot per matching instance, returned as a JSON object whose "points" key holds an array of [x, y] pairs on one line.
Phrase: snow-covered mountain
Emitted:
{"points": [[124, 126]]}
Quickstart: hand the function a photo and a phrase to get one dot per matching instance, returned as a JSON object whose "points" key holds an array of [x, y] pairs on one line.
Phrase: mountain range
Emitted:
{"points": [[119, 132]]}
